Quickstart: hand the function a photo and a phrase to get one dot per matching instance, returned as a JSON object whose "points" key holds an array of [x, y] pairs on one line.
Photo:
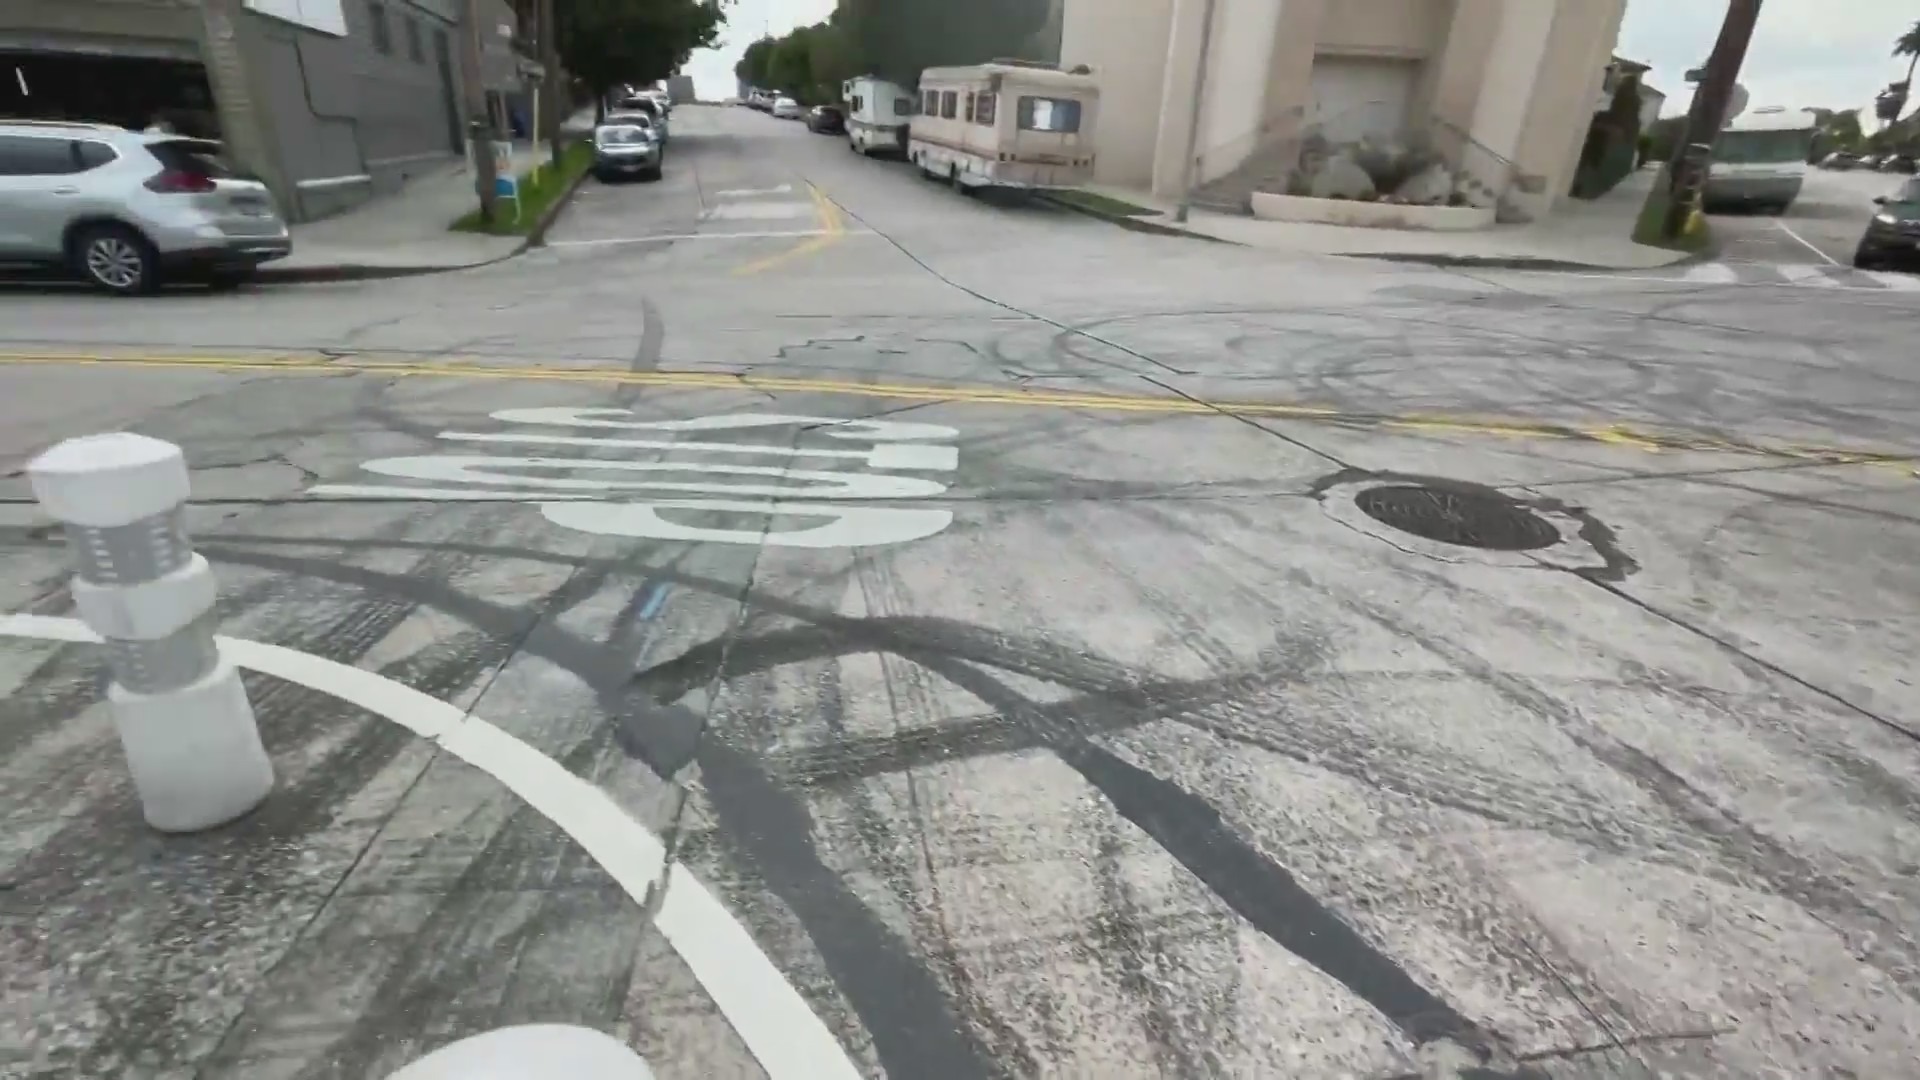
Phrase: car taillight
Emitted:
{"points": [[179, 182]]}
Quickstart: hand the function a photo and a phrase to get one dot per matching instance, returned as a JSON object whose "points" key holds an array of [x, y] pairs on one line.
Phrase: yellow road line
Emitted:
{"points": [[1616, 434], [833, 230]]}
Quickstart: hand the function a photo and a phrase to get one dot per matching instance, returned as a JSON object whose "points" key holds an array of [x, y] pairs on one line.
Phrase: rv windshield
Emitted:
{"points": [[1762, 147]]}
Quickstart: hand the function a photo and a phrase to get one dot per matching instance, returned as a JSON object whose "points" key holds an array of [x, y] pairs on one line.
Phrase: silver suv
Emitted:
{"points": [[125, 210]]}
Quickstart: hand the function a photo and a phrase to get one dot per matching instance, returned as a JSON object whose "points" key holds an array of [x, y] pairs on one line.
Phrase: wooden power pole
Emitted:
{"points": [[1708, 113], [554, 88], [479, 118]]}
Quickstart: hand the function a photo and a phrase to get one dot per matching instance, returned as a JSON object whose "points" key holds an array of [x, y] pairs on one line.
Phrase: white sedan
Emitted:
{"points": [[788, 109]]}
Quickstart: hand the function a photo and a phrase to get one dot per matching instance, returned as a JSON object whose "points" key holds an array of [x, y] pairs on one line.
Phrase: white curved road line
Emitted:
{"points": [[770, 1016]]}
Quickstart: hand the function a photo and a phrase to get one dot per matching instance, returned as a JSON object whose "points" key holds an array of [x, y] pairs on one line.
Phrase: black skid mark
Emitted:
{"points": [[767, 823]]}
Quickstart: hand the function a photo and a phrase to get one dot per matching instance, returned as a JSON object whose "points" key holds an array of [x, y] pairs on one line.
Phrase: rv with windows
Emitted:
{"points": [[1005, 124], [877, 115], [1760, 160]]}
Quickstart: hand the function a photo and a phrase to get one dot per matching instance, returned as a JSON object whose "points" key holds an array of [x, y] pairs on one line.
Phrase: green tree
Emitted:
{"points": [[1908, 44], [753, 68], [607, 42], [901, 38]]}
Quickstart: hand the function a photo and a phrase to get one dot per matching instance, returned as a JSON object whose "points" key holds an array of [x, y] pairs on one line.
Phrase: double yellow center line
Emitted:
{"points": [[833, 227]]}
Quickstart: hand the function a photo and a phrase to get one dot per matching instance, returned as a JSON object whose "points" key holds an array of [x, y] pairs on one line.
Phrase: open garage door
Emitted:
{"points": [[131, 89]]}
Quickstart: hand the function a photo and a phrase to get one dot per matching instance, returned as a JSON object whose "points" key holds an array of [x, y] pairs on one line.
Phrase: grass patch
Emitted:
{"points": [[538, 191], [1102, 204], [1694, 237]]}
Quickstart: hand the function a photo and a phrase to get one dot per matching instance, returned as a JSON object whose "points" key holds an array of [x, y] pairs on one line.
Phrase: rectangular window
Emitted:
{"points": [[28, 155], [377, 26], [970, 106], [930, 103], [949, 104], [857, 99], [983, 109], [416, 48], [1049, 114], [902, 107]]}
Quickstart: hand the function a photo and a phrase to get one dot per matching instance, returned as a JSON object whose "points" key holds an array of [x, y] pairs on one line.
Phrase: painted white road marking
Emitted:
{"points": [[772, 1019], [768, 211], [1815, 277], [748, 193], [451, 469], [789, 500], [848, 526], [882, 456], [674, 238], [830, 426], [1711, 273], [1788, 229]]}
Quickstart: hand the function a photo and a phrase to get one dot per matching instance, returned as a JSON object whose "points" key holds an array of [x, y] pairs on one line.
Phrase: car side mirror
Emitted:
{"points": [[1879, 200]]}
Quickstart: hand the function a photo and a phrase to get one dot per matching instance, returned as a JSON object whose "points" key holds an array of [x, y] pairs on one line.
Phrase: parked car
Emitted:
{"points": [[760, 99], [1840, 161], [627, 146], [1893, 236], [650, 108], [826, 120], [1899, 163], [1871, 161], [128, 210], [785, 108]]}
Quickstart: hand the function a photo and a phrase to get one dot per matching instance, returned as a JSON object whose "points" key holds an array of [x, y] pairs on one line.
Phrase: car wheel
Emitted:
{"points": [[657, 172], [116, 259]]}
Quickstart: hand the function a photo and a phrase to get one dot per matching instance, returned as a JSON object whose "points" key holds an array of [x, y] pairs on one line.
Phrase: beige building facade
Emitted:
{"points": [[1503, 89]]}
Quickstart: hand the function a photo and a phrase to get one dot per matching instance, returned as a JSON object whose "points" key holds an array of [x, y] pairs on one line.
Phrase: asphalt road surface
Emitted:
{"points": [[1821, 228], [1038, 649]]}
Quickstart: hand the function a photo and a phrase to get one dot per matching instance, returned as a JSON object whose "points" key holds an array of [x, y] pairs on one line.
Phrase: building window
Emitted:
{"points": [[969, 109], [929, 103], [902, 107], [377, 24], [416, 49], [1049, 114], [983, 109], [949, 104], [856, 103]]}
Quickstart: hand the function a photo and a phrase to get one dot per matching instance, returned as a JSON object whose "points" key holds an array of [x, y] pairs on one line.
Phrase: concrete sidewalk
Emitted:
{"points": [[1581, 234], [408, 232]]}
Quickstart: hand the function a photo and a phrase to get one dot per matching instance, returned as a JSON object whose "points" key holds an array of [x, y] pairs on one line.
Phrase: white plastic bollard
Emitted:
{"points": [[531, 1052], [182, 713]]}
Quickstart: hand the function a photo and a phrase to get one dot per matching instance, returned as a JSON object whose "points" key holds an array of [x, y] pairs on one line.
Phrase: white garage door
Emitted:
{"points": [[1354, 97]]}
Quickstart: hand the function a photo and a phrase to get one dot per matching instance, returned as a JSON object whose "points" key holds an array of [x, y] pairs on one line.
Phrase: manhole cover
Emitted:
{"points": [[1465, 518]]}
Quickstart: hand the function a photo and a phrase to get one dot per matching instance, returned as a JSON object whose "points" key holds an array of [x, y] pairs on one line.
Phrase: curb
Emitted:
{"points": [[268, 274], [1130, 222], [1497, 262]]}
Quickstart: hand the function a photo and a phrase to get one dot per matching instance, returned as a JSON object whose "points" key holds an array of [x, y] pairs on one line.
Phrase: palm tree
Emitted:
{"points": [[1908, 44]]}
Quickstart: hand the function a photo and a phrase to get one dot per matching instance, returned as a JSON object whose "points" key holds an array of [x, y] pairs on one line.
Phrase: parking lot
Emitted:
{"points": [[1821, 228]]}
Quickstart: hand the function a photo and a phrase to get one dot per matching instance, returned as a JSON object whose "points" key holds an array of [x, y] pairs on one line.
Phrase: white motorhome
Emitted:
{"points": [[1005, 124], [878, 113], [1760, 159]]}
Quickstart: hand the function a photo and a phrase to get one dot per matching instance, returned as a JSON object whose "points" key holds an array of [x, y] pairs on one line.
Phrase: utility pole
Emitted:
{"points": [[479, 117], [1187, 163], [1708, 113], [552, 111]]}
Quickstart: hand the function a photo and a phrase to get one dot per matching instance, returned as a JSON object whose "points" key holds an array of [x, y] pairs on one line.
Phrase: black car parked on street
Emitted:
{"points": [[826, 120], [1892, 238]]}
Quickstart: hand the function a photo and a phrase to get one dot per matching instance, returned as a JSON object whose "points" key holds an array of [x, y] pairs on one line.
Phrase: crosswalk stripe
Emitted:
{"points": [[1807, 274], [1896, 282], [1711, 273]]}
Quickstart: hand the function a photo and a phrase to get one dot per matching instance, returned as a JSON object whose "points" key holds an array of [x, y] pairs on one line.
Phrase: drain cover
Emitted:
{"points": [[1465, 518]]}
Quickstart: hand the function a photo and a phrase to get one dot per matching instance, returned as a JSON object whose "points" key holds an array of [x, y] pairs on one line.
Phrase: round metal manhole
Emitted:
{"points": [[1463, 518]]}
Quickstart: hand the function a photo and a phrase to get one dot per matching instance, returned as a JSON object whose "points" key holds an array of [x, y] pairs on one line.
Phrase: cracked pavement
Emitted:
{"points": [[1117, 740]]}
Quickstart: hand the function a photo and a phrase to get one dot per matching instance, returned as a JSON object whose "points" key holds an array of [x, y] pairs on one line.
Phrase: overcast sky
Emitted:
{"points": [[1826, 53], [1806, 53]]}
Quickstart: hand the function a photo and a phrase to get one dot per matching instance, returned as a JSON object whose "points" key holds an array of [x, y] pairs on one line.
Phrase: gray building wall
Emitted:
{"points": [[350, 120]]}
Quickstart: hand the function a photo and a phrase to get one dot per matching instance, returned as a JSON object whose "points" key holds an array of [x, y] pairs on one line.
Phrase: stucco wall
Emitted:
{"points": [[1519, 50], [1125, 43], [1243, 41], [1404, 28], [1574, 64]]}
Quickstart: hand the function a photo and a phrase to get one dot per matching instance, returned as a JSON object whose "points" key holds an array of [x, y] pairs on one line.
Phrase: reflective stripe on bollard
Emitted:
{"points": [[182, 714]]}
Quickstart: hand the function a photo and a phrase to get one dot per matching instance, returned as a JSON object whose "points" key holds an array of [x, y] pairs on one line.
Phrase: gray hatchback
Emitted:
{"points": [[627, 146], [126, 210]]}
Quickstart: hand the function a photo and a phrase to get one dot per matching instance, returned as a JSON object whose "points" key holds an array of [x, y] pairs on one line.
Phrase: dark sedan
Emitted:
{"points": [[1892, 238], [826, 120]]}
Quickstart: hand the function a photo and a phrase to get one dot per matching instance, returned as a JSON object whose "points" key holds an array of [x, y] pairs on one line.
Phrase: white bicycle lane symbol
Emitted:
{"points": [[779, 493]]}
